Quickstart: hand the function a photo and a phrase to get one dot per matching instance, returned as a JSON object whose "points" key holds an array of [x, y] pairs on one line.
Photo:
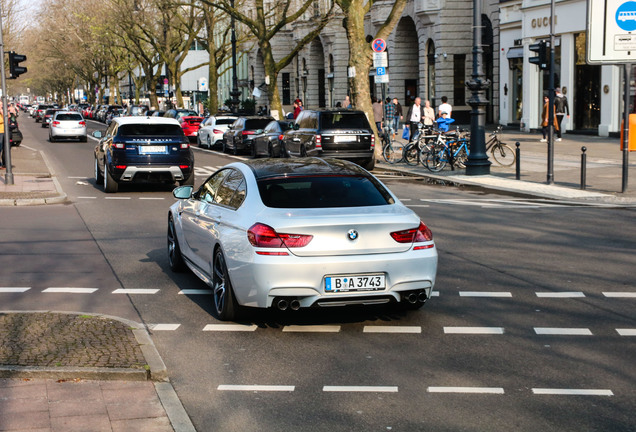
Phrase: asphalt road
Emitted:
{"points": [[532, 328]]}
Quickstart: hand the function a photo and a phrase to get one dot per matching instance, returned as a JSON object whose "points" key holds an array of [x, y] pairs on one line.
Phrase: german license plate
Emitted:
{"points": [[152, 149], [344, 138], [372, 282]]}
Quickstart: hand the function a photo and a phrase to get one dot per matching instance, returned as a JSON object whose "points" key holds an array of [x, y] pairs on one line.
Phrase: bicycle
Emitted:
{"points": [[454, 152], [392, 153], [420, 145], [501, 152]]}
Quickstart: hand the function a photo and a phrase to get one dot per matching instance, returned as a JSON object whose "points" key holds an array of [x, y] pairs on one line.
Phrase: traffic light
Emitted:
{"points": [[542, 59], [14, 64]]}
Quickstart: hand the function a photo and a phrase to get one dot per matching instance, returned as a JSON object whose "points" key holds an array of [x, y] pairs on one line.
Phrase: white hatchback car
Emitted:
{"points": [[67, 124], [212, 129]]}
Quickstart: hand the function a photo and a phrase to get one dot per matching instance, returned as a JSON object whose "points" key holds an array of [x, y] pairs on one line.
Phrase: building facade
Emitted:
{"points": [[429, 55], [593, 91]]}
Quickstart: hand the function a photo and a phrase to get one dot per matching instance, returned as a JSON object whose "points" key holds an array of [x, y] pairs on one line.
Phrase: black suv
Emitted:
{"points": [[239, 134], [143, 149], [336, 133]]}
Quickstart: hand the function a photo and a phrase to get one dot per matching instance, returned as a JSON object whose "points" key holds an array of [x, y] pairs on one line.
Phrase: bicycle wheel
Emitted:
{"points": [[389, 154], [435, 160], [503, 154], [411, 154], [461, 157]]}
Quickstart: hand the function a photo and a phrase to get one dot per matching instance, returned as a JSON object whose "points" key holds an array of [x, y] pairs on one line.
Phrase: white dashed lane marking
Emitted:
{"points": [[485, 294], [392, 329], [254, 387], [565, 294], [230, 327], [365, 389], [14, 289], [163, 327], [479, 390], [626, 332], [620, 294], [195, 291], [70, 290], [136, 291], [572, 392], [473, 330], [562, 331], [311, 329]]}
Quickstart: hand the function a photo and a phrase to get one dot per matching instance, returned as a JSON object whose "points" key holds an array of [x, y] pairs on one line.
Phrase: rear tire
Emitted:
{"points": [[435, 161], [175, 259], [504, 155], [98, 175], [51, 139], [110, 185], [225, 303], [370, 164], [411, 154], [189, 181]]}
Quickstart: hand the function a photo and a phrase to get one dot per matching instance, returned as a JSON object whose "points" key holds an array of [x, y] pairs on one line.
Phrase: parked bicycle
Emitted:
{"points": [[501, 152], [421, 144], [392, 152], [453, 152]]}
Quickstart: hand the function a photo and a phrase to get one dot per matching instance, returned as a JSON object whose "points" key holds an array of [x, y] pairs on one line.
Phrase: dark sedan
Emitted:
{"points": [[267, 142], [238, 137]]}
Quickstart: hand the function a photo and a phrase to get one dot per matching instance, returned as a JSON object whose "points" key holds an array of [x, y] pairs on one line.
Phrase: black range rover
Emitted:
{"points": [[335, 133], [143, 149]]}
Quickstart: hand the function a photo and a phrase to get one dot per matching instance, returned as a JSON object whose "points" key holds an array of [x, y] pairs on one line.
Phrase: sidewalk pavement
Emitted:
{"points": [[70, 372], [603, 179]]}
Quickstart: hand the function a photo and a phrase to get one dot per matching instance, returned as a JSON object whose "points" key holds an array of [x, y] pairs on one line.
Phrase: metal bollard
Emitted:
{"points": [[518, 160], [583, 167]]}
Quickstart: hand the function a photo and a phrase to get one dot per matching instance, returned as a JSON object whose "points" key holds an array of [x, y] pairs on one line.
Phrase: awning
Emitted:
{"points": [[515, 52]]}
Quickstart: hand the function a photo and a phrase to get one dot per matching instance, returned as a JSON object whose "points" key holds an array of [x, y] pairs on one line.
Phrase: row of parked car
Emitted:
{"points": [[340, 133]]}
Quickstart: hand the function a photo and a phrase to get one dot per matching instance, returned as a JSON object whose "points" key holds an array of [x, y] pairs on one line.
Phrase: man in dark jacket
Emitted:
{"points": [[560, 109], [414, 116]]}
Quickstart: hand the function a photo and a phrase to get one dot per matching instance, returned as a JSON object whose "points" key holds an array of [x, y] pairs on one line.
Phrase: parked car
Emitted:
{"points": [[339, 133], [190, 125], [67, 124], [47, 116], [137, 110], [109, 110], [212, 129], [266, 142], [238, 137], [158, 113], [350, 240], [143, 149]]}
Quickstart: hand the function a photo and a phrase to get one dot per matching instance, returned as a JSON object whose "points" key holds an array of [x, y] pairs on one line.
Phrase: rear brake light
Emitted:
{"points": [[185, 145], [120, 167], [372, 142], [261, 235], [56, 123], [414, 235], [246, 132], [82, 123], [119, 145], [217, 131], [280, 137], [184, 166], [318, 142]]}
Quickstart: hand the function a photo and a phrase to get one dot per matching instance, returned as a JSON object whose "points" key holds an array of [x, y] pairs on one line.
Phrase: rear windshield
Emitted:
{"points": [[344, 120], [323, 192], [76, 117], [50, 111], [136, 130], [256, 123], [224, 121]]}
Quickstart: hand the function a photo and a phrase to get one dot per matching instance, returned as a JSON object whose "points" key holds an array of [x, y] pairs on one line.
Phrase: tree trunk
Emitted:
{"points": [[270, 71]]}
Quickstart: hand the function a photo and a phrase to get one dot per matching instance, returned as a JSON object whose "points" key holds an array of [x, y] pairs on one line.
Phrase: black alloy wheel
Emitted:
{"points": [[223, 296], [174, 251]]}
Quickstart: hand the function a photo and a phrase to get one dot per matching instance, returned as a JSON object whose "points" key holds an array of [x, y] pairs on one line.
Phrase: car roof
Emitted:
{"points": [[266, 168], [146, 120]]}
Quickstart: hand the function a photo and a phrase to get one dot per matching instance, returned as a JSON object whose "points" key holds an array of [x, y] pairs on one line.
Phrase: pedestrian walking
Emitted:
{"points": [[389, 117], [429, 114], [414, 116], [545, 119], [377, 113], [297, 108], [445, 107], [346, 103], [560, 108], [398, 115]]}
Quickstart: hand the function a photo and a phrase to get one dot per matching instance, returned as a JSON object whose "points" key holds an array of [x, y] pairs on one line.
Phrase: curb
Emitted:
{"points": [[157, 370]]}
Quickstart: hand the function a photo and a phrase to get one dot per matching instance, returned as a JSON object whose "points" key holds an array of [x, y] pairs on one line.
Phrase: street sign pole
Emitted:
{"points": [[628, 76], [550, 176], [7, 142]]}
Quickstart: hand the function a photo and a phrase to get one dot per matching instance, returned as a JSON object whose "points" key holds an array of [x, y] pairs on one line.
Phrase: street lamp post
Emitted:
{"points": [[8, 178], [478, 163], [235, 93]]}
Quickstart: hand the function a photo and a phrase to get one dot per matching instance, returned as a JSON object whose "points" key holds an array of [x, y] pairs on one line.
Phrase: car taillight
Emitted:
{"points": [[261, 235], [217, 131], [184, 166], [119, 145], [55, 123], [246, 132], [414, 235], [280, 137], [120, 167], [82, 123], [185, 145], [318, 142], [372, 142]]}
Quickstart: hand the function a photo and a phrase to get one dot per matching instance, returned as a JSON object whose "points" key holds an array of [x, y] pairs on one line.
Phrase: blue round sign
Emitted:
{"points": [[626, 16]]}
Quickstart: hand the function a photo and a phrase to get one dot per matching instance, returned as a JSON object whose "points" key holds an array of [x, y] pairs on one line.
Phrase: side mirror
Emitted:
{"points": [[296, 126], [182, 192], [97, 134], [258, 131]]}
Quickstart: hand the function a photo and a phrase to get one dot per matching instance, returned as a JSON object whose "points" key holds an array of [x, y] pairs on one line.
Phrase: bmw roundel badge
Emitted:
{"points": [[352, 234]]}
